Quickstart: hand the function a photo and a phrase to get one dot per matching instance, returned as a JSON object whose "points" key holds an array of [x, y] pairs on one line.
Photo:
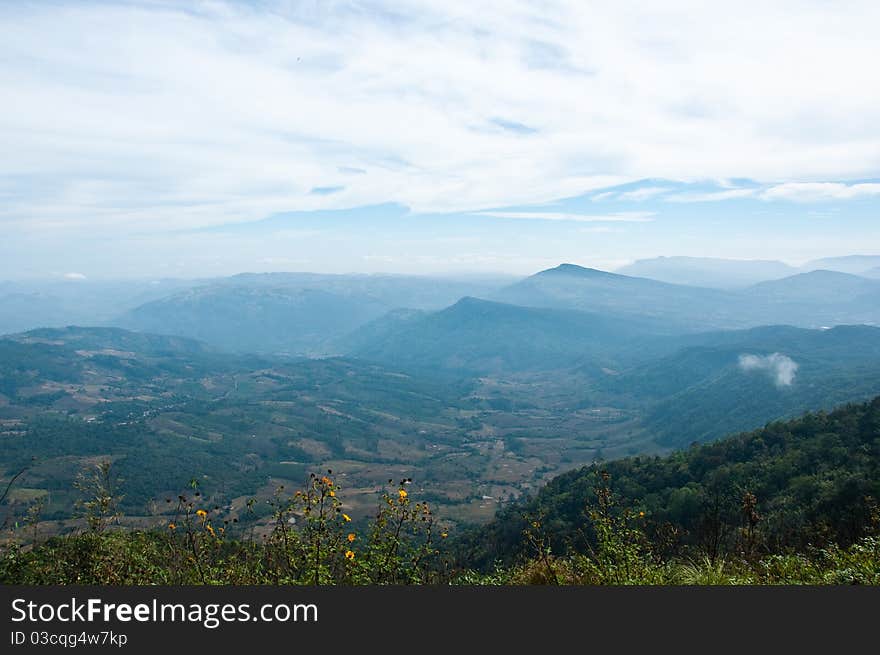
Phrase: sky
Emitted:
{"points": [[192, 139]]}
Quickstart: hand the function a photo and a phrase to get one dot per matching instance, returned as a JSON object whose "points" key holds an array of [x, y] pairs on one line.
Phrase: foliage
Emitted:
{"points": [[165, 409], [312, 543], [806, 483], [100, 502]]}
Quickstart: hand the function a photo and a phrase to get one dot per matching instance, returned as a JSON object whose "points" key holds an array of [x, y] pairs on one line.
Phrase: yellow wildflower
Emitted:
{"points": [[171, 526], [349, 554], [443, 535], [346, 518], [402, 494], [201, 513], [351, 537]]}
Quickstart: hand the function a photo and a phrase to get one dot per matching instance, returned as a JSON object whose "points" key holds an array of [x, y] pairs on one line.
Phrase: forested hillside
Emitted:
{"points": [[794, 503], [797, 484], [480, 403]]}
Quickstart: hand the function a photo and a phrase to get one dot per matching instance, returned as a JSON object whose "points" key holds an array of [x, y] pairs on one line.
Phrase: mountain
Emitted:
{"points": [[294, 313], [110, 339], [812, 480], [733, 274], [724, 382], [873, 273], [816, 299], [821, 286], [481, 336], [684, 388], [682, 308], [77, 365], [373, 334], [393, 291], [855, 264], [55, 303], [256, 319], [707, 271]]}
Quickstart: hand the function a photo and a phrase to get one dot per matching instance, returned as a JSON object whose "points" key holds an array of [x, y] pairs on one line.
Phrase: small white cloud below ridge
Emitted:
{"points": [[781, 368]]}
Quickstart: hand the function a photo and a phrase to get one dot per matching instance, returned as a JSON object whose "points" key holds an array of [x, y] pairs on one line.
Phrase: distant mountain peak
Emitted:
{"points": [[469, 305], [814, 276], [574, 269], [856, 264], [827, 273], [708, 271]]}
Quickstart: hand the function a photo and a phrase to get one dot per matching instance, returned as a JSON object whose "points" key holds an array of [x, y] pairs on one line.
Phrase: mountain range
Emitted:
{"points": [[304, 314], [741, 273], [815, 299], [261, 314], [709, 272], [481, 389], [476, 335]]}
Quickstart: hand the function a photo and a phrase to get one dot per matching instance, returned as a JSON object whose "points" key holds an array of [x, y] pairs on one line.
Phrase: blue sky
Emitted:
{"points": [[190, 139]]}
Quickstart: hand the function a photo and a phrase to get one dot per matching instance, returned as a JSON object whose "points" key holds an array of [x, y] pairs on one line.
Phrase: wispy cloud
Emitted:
{"points": [[513, 126], [633, 195], [621, 217], [711, 196], [791, 191], [192, 114], [642, 193], [326, 190], [819, 191]]}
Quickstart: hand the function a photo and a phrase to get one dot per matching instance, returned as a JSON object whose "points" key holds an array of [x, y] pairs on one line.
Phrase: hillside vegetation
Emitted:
{"points": [[790, 486], [793, 503], [476, 392], [480, 404]]}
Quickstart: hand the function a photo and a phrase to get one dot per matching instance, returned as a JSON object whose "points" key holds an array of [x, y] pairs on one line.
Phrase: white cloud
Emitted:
{"points": [[781, 368], [818, 191], [177, 114], [642, 193], [711, 196], [620, 217], [74, 276], [793, 191]]}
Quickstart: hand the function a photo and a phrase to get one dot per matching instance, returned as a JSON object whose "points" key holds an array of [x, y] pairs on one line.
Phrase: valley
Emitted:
{"points": [[245, 385]]}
